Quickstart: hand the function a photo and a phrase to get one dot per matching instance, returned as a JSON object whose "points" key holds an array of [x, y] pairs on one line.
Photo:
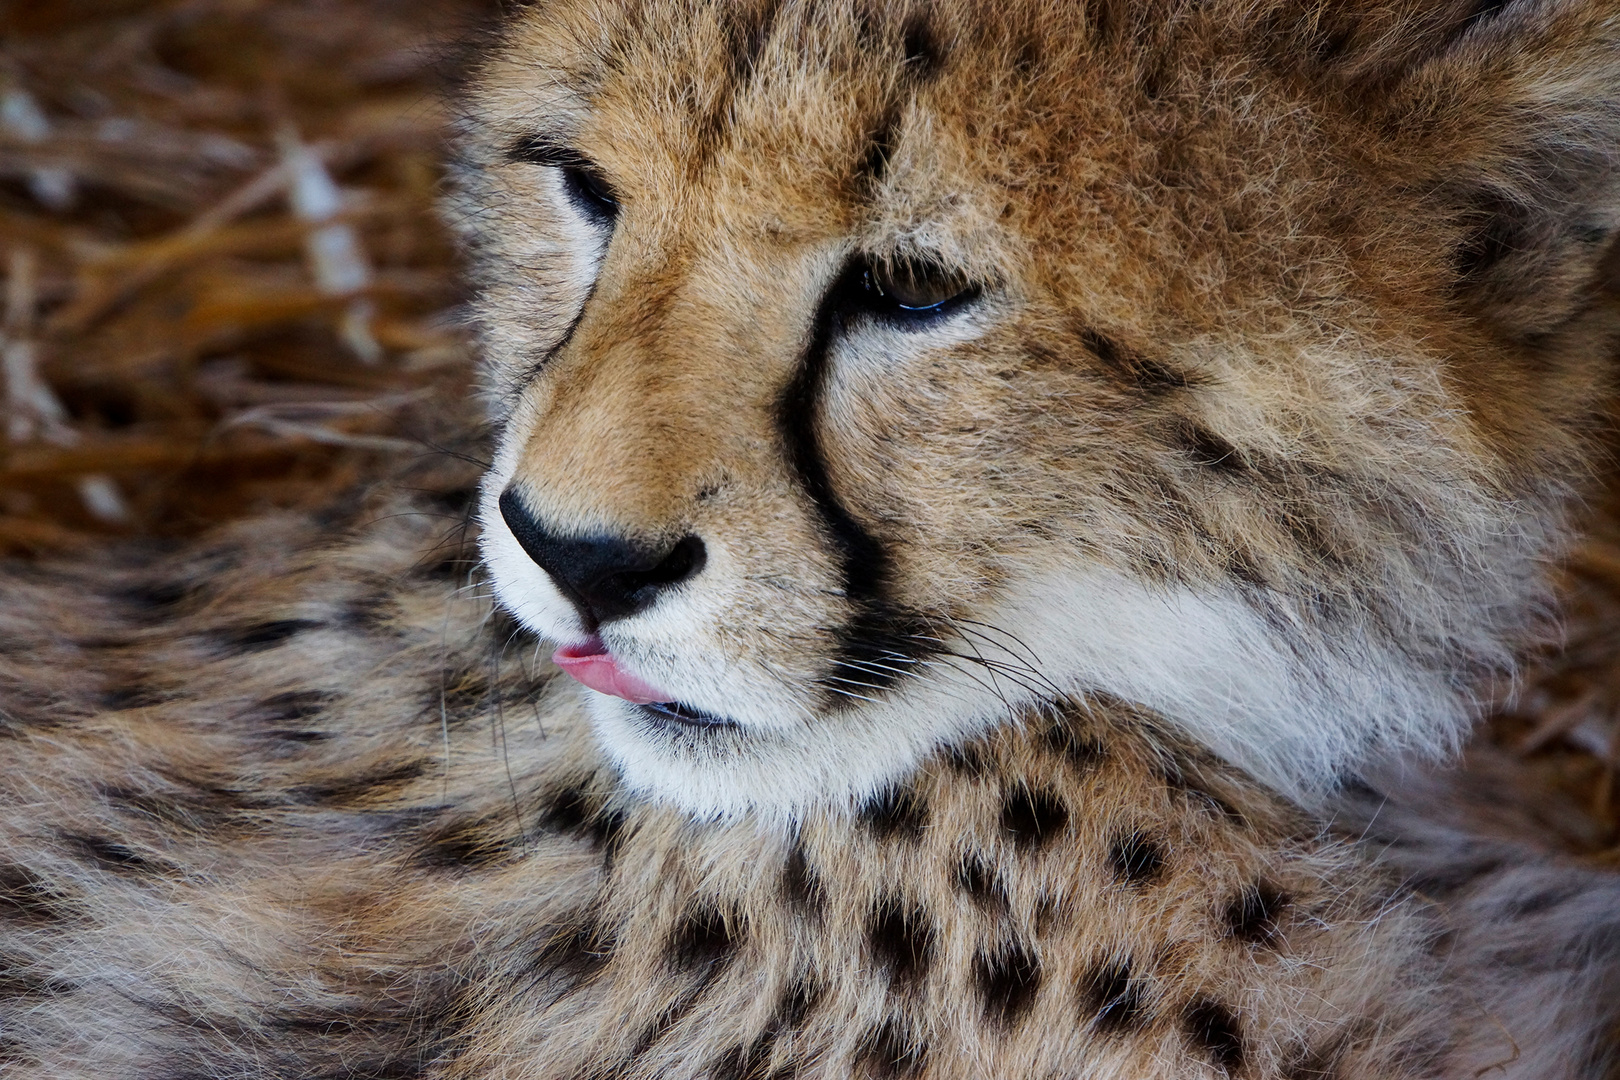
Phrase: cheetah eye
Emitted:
{"points": [[910, 288], [590, 193], [582, 181]]}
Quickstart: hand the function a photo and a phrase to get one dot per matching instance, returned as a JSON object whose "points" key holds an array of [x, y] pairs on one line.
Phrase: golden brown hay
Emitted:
{"points": [[177, 354]]}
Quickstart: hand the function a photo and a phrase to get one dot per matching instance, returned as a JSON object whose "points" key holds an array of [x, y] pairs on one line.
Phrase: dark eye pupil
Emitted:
{"points": [[913, 285], [591, 193]]}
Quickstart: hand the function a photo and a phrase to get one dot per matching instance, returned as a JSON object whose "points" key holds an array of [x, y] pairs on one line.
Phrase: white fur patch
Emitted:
{"points": [[1294, 711]]}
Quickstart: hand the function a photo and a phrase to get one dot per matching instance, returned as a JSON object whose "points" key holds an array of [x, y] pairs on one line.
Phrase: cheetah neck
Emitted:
{"points": [[1078, 876]]}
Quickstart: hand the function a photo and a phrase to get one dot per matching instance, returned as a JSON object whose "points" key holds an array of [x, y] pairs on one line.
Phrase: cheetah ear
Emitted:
{"points": [[1516, 108]]}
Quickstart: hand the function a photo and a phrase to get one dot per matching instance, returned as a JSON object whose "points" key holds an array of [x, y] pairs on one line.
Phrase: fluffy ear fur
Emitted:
{"points": [[1519, 105]]}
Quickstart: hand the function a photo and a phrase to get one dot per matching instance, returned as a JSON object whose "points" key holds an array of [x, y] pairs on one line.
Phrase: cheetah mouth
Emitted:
{"points": [[667, 713], [591, 664]]}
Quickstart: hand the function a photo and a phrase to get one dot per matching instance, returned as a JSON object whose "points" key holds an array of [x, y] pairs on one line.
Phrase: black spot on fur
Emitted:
{"points": [[467, 845], [902, 940], [895, 811], [751, 1061], [1082, 751], [967, 759], [133, 694], [285, 716], [156, 599], [1198, 794], [458, 695], [449, 562], [568, 811], [747, 29], [373, 612], [1495, 230], [1253, 914], [26, 898], [1481, 12], [111, 854], [1215, 1033], [673, 1013], [293, 707], [200, 809], [1009, 980], [571, 810], [801, 885], [265, 635], [1113, 998], [1137, 372], [1316, 1063], [702, 940], [889, 1052], [1136, 860], [576, 951], [18, 980], [923, 55], [1447, 878], [980, 882], [1541, 900], [1208, 450], [1032, 818], [795, 1004], [370, 786], [607, 831]]}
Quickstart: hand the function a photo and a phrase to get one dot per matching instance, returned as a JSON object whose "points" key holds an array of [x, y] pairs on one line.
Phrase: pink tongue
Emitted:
{"points": [[593, 665]]}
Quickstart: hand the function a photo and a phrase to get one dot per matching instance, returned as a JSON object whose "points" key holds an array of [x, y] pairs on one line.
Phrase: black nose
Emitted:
{"points": [[606, 577]]}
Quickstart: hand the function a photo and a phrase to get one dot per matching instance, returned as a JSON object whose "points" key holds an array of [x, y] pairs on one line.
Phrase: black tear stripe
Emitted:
{"points": [[881, 642]]}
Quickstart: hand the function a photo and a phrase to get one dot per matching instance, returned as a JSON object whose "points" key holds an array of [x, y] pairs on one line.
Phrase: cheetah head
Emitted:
{"points": [[870, 374]]}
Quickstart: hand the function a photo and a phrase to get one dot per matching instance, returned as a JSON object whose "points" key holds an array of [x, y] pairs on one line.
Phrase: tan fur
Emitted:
{"points": [[1049, 635], [1286, 326], [382, 843]]}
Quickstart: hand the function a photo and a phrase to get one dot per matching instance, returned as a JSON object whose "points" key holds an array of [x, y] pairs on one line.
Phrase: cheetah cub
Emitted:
{"points": [[1017, 483]]}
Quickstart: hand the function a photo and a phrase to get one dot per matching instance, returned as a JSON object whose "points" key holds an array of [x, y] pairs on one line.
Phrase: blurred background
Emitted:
{"points": [[226, 289]]}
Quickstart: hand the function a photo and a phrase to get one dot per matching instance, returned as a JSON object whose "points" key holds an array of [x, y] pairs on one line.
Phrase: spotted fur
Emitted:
{"points": [[1045, 635]]}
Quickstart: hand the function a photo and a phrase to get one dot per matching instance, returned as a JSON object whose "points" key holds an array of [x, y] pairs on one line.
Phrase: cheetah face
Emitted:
{"points": [[867, 376]]}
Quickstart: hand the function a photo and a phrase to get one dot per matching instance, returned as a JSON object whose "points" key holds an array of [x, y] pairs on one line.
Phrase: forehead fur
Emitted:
{"points": [[1250, 156]]}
